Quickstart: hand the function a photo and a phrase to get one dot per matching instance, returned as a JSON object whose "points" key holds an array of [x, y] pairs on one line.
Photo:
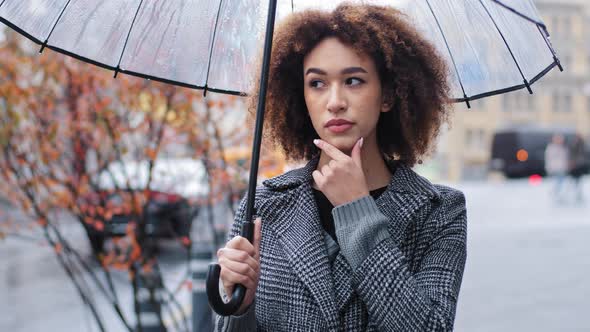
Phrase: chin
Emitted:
{"points": [[344, 144]]}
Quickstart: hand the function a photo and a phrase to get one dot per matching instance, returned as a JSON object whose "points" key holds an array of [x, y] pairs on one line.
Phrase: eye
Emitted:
{"points": [[354, 81], [316, 84]]}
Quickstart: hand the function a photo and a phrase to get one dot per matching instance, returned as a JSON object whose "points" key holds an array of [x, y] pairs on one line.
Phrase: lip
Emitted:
{"points": [[338, 125], [338, 122]]}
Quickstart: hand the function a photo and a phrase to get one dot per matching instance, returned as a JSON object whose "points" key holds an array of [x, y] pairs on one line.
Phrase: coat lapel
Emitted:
{"points": [[302, 238], [405, 197]]}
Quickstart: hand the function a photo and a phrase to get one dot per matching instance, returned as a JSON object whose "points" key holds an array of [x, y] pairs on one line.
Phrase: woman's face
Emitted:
{"points": [[342, 93]]}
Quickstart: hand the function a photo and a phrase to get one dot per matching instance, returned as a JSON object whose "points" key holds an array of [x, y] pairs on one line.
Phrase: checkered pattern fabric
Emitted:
{"points": [[409, 282]]}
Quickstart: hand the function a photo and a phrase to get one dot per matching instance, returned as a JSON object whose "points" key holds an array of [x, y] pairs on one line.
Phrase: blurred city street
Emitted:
{"points": [[528, 260], [527, 269]]}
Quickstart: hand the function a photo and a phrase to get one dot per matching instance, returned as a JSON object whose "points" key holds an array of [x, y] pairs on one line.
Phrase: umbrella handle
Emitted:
{"points": [[215, 300]]}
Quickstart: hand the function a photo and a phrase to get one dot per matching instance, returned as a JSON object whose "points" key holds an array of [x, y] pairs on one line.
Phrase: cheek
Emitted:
{"points": [[316, 121], [313, 109]]}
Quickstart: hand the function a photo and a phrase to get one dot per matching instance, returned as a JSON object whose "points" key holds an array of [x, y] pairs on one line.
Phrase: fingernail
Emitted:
{"points": [[361, 142], [316, 141]]}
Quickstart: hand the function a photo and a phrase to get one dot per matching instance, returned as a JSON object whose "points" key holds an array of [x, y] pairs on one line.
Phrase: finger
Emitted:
{"points": [[237, 256], [241, 243], [231, 278], [333, 164], [356, 153], [257, 236], [240, 268], [318, 178], [326, 171], [330, 150]]}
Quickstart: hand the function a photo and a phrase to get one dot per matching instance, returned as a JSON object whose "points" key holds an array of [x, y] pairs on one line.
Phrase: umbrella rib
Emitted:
{"points": [[1, 3], [206, 87], [539, 23], [450, 53], [526, 82], [545, 34], [508, 89], [118, 68], [540, 26], [182, 84], [54, 25]]}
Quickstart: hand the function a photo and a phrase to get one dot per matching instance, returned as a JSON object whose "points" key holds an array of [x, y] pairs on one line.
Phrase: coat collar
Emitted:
{"points": [[404, 179]]}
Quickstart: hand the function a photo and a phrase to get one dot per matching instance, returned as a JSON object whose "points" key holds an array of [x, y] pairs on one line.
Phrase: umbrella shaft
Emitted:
{"points": [[270, 22]]}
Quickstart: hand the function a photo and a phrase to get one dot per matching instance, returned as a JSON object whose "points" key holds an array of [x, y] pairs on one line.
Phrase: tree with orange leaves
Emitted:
{"points": [[64, 124]]}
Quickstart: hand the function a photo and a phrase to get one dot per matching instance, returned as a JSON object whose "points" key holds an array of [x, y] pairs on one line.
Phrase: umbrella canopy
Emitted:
{"points": [[491, 46]]}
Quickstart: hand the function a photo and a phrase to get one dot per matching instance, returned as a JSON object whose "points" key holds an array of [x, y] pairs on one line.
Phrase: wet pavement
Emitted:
{"points": [[528, 261], [527, 269]]}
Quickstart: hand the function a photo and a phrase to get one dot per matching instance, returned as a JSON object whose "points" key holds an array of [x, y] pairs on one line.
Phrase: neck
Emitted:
{"points": [[376, 172]]}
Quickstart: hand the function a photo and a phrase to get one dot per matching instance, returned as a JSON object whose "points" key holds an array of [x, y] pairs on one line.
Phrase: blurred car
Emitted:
{"points": [[520, 152], [170, 206]]}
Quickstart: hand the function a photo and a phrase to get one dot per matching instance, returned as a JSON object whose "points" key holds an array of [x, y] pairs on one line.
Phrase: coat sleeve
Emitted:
{"points": [[398, 300], [247, 321]]}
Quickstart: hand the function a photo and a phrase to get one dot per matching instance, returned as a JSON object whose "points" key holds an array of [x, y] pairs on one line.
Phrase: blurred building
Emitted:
{"points": [[560, 99]]}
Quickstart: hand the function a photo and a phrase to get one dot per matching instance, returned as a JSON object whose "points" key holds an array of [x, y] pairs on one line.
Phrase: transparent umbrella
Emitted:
{"points": [[202, 44], [491, 46]]}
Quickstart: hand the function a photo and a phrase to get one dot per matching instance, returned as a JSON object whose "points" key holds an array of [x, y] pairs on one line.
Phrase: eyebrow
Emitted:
{"points": [[345, 71]]}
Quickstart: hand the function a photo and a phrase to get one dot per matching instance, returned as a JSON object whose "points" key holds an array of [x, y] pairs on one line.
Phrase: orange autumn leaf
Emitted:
{"points": [[148, 268], [42, 222], [150, 153], [135, 252], [99, 226]]}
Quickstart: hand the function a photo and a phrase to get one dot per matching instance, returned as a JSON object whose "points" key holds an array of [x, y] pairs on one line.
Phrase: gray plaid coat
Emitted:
{"points": [[409, 282]]}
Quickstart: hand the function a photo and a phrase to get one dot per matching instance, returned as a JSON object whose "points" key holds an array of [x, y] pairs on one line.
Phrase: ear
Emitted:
{"points": [[387, 100], [385, 106]]}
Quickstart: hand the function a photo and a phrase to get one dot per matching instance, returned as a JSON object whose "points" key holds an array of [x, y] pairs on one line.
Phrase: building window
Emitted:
{"points": [[554, 25], [506, 102], [567, 103], [567, 61], [475, 139], [518, 101], [562, 103], [566, 27]]}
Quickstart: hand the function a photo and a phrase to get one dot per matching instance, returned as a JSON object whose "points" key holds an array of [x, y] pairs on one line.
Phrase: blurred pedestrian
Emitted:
{"points": [[556, 163], [578, 165], [355, 240]]}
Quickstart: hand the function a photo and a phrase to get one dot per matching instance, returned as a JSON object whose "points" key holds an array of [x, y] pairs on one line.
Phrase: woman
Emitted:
{"points": [[578, 165], [355, 240]]}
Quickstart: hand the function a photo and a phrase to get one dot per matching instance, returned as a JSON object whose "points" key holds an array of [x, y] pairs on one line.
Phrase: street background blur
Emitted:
{"points": [[528, 259]]}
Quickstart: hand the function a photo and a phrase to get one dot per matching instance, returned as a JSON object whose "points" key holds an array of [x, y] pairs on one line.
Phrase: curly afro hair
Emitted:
{"points": [[413, 78]]}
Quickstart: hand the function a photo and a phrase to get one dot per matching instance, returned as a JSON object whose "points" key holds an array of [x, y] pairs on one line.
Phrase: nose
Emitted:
{"points": [[337, 101]]}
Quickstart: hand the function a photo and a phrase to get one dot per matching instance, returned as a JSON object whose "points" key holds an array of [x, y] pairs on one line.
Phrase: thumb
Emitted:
{"points": [[257, 235], [356, 153]]}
